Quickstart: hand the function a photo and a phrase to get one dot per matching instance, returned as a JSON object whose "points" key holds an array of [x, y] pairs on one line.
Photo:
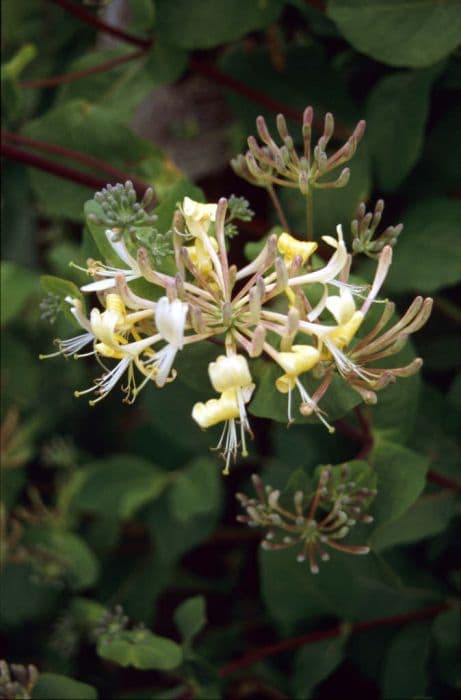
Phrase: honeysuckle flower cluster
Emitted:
{"points": [[286, 306], [208, 298], [313, 522]]}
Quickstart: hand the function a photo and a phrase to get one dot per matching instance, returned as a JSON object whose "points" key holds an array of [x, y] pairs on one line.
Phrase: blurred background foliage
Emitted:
{"points": [[119, 540]]}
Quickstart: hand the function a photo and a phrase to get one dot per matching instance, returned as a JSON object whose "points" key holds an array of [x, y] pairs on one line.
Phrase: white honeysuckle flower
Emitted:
{"points": [[70, 347], [109, 273], [229, 372], [342, 307], [332, 269], [198, 216], [170, 319]]}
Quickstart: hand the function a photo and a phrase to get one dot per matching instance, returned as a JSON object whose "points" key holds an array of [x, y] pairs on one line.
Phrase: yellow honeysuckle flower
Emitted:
{"points": [[200, 256], [217, 410], [289, 247], [300, 359]]}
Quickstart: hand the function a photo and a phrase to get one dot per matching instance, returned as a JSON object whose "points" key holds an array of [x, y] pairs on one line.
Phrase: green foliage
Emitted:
{"points": [[414, 34], [126, 505], [432, 227], [51, 686], [397, 113], [133, 483], [314, 663], [190, 617], [208, 23], [18, 285], [401, 478], [409, 649], [141, 649]]}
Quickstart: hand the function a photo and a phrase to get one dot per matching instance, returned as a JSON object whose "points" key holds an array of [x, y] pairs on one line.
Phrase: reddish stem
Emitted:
{"points": [[319, 635], [69, 154], [78, 74], [49, 166], [442, 480], [87, 17]]}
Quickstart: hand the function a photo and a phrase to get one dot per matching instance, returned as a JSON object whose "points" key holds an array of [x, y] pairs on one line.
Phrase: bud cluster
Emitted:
{"points": [[312, 521], [271, 164], [120, 210], [363, 229]]}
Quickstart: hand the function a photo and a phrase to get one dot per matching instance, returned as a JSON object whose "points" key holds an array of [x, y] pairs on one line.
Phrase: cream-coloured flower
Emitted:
{"points": [[108, 273], [229, 372], [170, 319], [198, 216]]}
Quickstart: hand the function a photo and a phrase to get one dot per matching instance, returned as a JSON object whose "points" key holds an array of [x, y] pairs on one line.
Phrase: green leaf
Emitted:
{"points": [[70, 554], [195, 490], [18, 284], [107, 139], [425, 518], [405, 668], [429, 247], [133, 483], [190, 617], [447, 640], [314, 663], [414, 33], [401, 479], [166, 63], [397, 111], [207, 23], [141, 649], [62, 289], [27, 600], [51, 686], [350, 587]]}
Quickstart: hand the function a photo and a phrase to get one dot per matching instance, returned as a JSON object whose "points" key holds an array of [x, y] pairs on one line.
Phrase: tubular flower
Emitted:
{"points": [[105, 274], [208, 298], [230, 376]]}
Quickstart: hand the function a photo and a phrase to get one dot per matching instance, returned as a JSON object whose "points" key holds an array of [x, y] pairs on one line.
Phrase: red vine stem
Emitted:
{"points": [[79, 74], [329, 633], [442, 480], [69, 154], [49, 166], [74, 9]]}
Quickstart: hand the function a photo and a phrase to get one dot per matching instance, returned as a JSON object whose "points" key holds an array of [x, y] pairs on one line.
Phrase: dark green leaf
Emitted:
{"points": [[207, 23], [133, 483], [428, 248], [447, 639], [405, 669], [190, 617], [314, 663], [397, 111], [401, 479], [195, 490], [416, 33], [69, 554], [51, 686], [427, 517], [18, 284]]}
